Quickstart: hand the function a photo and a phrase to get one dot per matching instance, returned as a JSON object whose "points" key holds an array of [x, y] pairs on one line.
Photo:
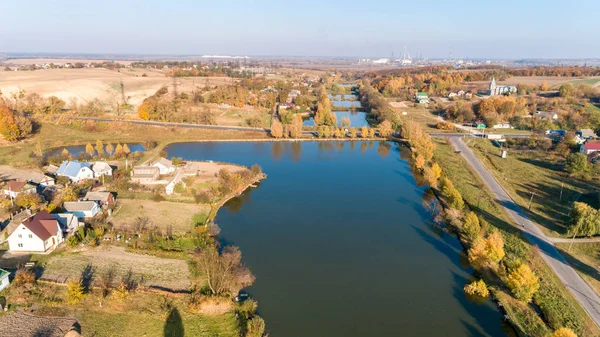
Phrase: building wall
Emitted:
{"points": [[33, 244], [4, 282]]}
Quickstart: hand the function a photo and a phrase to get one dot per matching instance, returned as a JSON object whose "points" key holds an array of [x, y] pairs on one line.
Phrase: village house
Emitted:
{"points": [[502, 125], [145, 174], [165, 166], [546, 115], [75, 171], [13, 188], [44, 182], [38, 233], [586, 134], [82, 209], [590, 146], [4, 281], [422, 97], [286, 106], [102, 198], [68, 222], [101, 168]]}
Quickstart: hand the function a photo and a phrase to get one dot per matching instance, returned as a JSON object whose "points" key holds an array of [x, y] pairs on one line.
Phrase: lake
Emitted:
{"points": [[341, 240]]}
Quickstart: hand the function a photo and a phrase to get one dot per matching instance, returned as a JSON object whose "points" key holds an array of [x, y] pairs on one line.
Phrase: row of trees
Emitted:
{"points": [[376, 105], [291, 130], [101, 151], [324, 115]]}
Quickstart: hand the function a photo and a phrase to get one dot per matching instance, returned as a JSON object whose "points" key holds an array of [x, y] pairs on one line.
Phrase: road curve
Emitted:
{"points": [[584, 294]]}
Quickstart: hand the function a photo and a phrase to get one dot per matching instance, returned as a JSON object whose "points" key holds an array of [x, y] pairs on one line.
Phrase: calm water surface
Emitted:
{"points": [[341, 241], [358, 119]]}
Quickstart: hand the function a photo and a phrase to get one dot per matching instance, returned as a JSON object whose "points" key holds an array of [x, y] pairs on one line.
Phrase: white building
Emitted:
{"points": [[165, 166], [13, 188], [101, 168], [75, 171], [500, 89], [82, 209], [38, 233]]}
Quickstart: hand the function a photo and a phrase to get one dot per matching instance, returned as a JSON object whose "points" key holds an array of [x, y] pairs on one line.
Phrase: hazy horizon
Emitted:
{"points": [[509, 30]]}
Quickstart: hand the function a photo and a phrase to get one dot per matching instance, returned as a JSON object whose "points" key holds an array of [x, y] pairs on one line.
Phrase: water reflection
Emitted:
{"points": [[276, 150], [384, 149], [235, 204], [296, 151]]}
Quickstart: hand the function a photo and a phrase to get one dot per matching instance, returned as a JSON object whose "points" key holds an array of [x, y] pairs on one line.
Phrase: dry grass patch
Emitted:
{"points": [[160, 214], [156, 272]]}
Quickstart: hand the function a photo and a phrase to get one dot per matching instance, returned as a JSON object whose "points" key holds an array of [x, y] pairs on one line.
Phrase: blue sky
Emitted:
{"points": [[475, 29]]}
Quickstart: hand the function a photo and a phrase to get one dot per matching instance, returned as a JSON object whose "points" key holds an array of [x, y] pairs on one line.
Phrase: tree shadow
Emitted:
{"points": [[173, 325], [87, 276], [581, 266]]}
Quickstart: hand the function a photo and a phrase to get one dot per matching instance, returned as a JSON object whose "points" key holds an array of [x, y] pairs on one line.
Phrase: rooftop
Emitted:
{"points": [[592, 145], [42, 224], [97, 196], [74, 206], [71, 168]]}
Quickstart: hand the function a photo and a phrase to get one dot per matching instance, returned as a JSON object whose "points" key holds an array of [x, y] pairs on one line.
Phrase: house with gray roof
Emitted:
{"points": [[75, 170], [82, 209], [101, 168], [165, 166]]}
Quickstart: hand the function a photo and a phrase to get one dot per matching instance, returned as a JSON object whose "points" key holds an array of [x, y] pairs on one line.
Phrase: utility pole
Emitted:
{"points": [[530, 200]]}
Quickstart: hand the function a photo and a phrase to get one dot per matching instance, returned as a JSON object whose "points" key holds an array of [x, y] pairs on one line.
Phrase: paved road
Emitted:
{"points": [[586, 296]]}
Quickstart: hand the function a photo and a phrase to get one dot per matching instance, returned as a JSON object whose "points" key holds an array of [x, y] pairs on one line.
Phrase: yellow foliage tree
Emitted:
{"points": [[64, 153], [478, 288], [144, 111], [495, 247], [119, 150], [486, 252], [371, 133], [75, 291], [99, 147], [385, 129], [89, 149], [126, 149], [364, 132], [276, 129], [437, 170], [564, 332], [419, 161], [522, 282], [110, 149], [471, 227]]}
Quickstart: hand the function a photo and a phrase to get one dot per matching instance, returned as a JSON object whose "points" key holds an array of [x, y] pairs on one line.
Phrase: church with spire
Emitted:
{"points": [[495, 89]]}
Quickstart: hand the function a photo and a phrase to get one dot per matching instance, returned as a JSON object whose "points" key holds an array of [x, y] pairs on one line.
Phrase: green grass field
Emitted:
{"points": [[590, 81], [524, 172]]}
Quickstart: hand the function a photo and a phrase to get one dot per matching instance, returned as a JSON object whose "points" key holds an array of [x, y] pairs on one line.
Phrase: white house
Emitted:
{"points": [[45, 181], [101, 168], [546, 115], [503, 125], [68, 222], [75, 170], [4, 282], [82, 209], [13, 188], [38, 233], [590, 146], [165, 166]]}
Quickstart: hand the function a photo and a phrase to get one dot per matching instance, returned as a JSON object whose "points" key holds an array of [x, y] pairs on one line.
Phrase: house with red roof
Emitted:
{"points": [[13, 188], [40, 232], [590, 146]]}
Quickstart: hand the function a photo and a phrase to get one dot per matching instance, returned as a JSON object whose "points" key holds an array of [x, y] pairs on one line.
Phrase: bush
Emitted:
{"points": [[75, 291], [24, 277]]}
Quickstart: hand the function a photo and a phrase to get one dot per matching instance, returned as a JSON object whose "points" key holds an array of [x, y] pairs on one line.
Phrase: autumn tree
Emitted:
{"points": [[364, 132], [276, 129], [419, 161], [522, 282], [126, 149], [64, 153], [296, 127], [471, 226], [224, 273], [385, 128], [75, 291], [8, 125], [255, 327], [478, 288], [345, 122], [89, 149], [564, 332], [110, 149], [99, 147], [486, 252], [119, 150], [144, 111], [28, 200], [566, 90], [452, 195], [437, 170], [576, 163], [371, 133]]}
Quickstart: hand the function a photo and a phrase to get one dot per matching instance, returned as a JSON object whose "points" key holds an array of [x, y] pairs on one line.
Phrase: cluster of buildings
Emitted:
{"points": [[495, 90], [44, 231]]}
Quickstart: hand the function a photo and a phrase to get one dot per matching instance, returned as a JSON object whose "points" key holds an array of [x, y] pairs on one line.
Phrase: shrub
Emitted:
{"points": [[75, 291], [478, 288], [24, 277]]}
